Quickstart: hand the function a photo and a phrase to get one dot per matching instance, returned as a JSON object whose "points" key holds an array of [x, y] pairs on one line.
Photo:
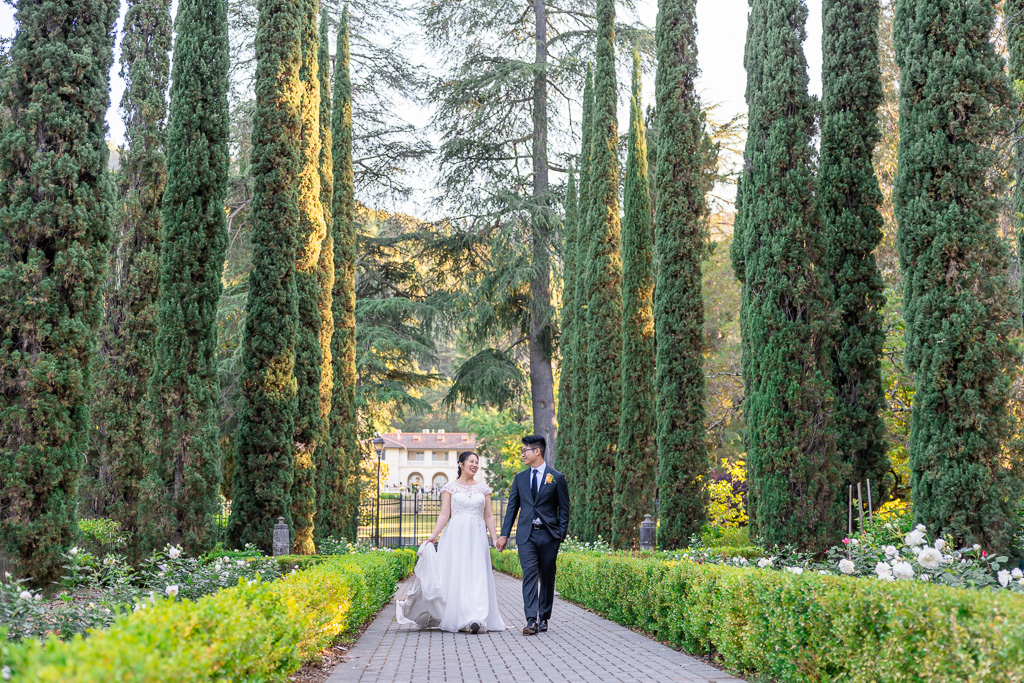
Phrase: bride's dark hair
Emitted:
{"points": [[463, 457]]}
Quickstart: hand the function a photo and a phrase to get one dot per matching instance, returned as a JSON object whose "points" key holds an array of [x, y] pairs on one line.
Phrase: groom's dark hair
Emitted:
{"points": [[537, 441]]}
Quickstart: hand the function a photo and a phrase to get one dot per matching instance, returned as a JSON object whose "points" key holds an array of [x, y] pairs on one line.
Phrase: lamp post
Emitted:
{"points": [[378, 446]]}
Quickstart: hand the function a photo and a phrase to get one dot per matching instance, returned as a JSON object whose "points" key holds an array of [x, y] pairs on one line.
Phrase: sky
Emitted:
{"points": [[721, 26]]}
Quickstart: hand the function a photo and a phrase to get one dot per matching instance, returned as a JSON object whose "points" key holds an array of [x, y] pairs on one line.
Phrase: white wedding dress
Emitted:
{"points": [[454, 587]]}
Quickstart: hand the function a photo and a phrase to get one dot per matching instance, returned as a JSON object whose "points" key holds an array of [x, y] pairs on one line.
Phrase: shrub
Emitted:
{"points": [[252, 632], [805, 627]]}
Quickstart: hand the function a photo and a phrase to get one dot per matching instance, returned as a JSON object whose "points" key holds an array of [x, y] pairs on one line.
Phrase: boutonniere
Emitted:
{"points": [[548, 479]]}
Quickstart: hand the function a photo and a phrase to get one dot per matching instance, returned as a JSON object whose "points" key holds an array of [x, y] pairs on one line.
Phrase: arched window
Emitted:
{"points": [[415, 480], [440, 479]]}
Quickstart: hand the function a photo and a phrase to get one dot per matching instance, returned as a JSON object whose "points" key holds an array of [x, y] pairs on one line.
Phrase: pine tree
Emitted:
{"points": [[793, 470], [566, 397], [344, 471], [680, 245], [179, 496], [573, 460], [266, 423], [312, 229], [849, 198], [55, 209], [323, 524], [129, 330], [636, 462], [603, 289], [962, 317]]}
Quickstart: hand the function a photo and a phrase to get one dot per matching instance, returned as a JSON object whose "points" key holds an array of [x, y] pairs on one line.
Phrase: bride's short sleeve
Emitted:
{"points": [[486, 489], [448, 488]]}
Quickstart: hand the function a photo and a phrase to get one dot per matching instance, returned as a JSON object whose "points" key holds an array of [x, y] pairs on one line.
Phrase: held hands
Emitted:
{"points": [[501, 543]]}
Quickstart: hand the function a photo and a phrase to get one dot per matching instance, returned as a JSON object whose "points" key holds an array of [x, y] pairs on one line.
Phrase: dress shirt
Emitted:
{"points": [[540, 482]]}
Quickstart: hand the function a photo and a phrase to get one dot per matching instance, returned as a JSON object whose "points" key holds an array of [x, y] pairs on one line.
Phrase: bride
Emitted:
{"points": [[453, 588]]}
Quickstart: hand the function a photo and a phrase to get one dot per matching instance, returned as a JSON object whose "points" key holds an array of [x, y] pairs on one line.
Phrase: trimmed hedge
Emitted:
{"points": [[807, 627], [251, 632]]}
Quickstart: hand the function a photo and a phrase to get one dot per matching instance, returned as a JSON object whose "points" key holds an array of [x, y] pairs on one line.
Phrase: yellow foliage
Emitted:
{"points": [[726, 510]]}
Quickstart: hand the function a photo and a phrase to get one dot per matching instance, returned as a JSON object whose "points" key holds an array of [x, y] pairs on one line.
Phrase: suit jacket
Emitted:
{"points": [[551, 505]]}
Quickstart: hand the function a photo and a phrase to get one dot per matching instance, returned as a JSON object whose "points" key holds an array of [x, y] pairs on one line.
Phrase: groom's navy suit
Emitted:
{"points": [[538, 543]]}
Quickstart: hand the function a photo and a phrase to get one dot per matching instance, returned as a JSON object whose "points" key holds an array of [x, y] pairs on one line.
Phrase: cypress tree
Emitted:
{"points": [[566, 397], [325, 279], [266, 423], [573, 459], [1014, 13], [129, 329], [344, 470], [793, 470], [961, 315], [180, 492], [680, 244], [308, 354], [603, 289], [849, 198], [635, 467], [55, 211]]}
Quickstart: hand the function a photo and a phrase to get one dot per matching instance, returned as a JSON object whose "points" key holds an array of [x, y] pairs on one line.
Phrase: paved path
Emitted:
{"points": [[580, 648]]}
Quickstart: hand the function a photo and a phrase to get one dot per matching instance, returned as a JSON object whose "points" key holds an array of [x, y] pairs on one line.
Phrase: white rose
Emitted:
{"points": [[846, 566], [891, 551], [25, 595], [939, 544], [903, 570], [216, 567], [795, 570], [929, 558], [921, 527], [764, 562], [1004, 577], [39, 596], [174, 553], [884, 571], [1017, 573], [976, 546], [73, 551], [6, 673], [854, 541], [172, 591], [914, 538]]}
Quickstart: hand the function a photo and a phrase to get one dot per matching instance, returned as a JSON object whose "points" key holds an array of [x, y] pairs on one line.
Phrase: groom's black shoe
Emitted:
{"points": [[531, 627], [543, 625], [474, 627]]}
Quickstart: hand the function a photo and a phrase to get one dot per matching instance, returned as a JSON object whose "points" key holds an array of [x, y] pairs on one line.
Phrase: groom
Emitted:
{"points": [[540, 497]]}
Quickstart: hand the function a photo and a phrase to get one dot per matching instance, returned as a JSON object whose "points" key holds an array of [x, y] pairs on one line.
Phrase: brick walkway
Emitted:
{"points": [[580, 648]]}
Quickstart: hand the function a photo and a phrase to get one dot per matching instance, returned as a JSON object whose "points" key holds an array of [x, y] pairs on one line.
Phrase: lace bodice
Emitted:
{"points": [[467, 500]]}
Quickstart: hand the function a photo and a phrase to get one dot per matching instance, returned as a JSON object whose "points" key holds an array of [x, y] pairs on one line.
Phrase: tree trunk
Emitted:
{"points": [[542, 383]]}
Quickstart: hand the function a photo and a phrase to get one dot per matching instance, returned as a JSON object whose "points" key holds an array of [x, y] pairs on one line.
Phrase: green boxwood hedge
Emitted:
{"points": [[807, 627], [251, 632]]}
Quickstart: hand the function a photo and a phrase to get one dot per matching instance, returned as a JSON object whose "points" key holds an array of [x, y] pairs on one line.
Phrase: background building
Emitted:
{"points": [[426, 459]]}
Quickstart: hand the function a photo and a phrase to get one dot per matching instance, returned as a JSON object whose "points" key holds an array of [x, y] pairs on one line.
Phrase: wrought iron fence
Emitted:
{"points": [[405, 520]]}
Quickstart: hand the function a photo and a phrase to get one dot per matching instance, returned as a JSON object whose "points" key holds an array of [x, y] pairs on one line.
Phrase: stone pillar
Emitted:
{"points": [[647, 531], [282, 542]]}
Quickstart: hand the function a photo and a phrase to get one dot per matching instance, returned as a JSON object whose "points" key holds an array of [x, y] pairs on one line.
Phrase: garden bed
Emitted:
{"points": [[802, 627], [253, 631]]}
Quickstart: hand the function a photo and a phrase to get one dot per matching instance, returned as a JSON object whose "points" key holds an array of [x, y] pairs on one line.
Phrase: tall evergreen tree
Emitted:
{"points": [[603, 289], [793, 470], [635, 466], [312, 229], [344, 470], [680, 244], [129, 329], [55, 212], [323, 524], [849, 198], [573, 459], [566, 397], [1014, 17], [961, 315], [183, 476], [266, 423]]}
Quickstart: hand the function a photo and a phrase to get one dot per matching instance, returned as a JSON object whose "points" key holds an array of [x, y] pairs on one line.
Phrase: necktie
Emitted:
{"points": [[533, 484]]}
